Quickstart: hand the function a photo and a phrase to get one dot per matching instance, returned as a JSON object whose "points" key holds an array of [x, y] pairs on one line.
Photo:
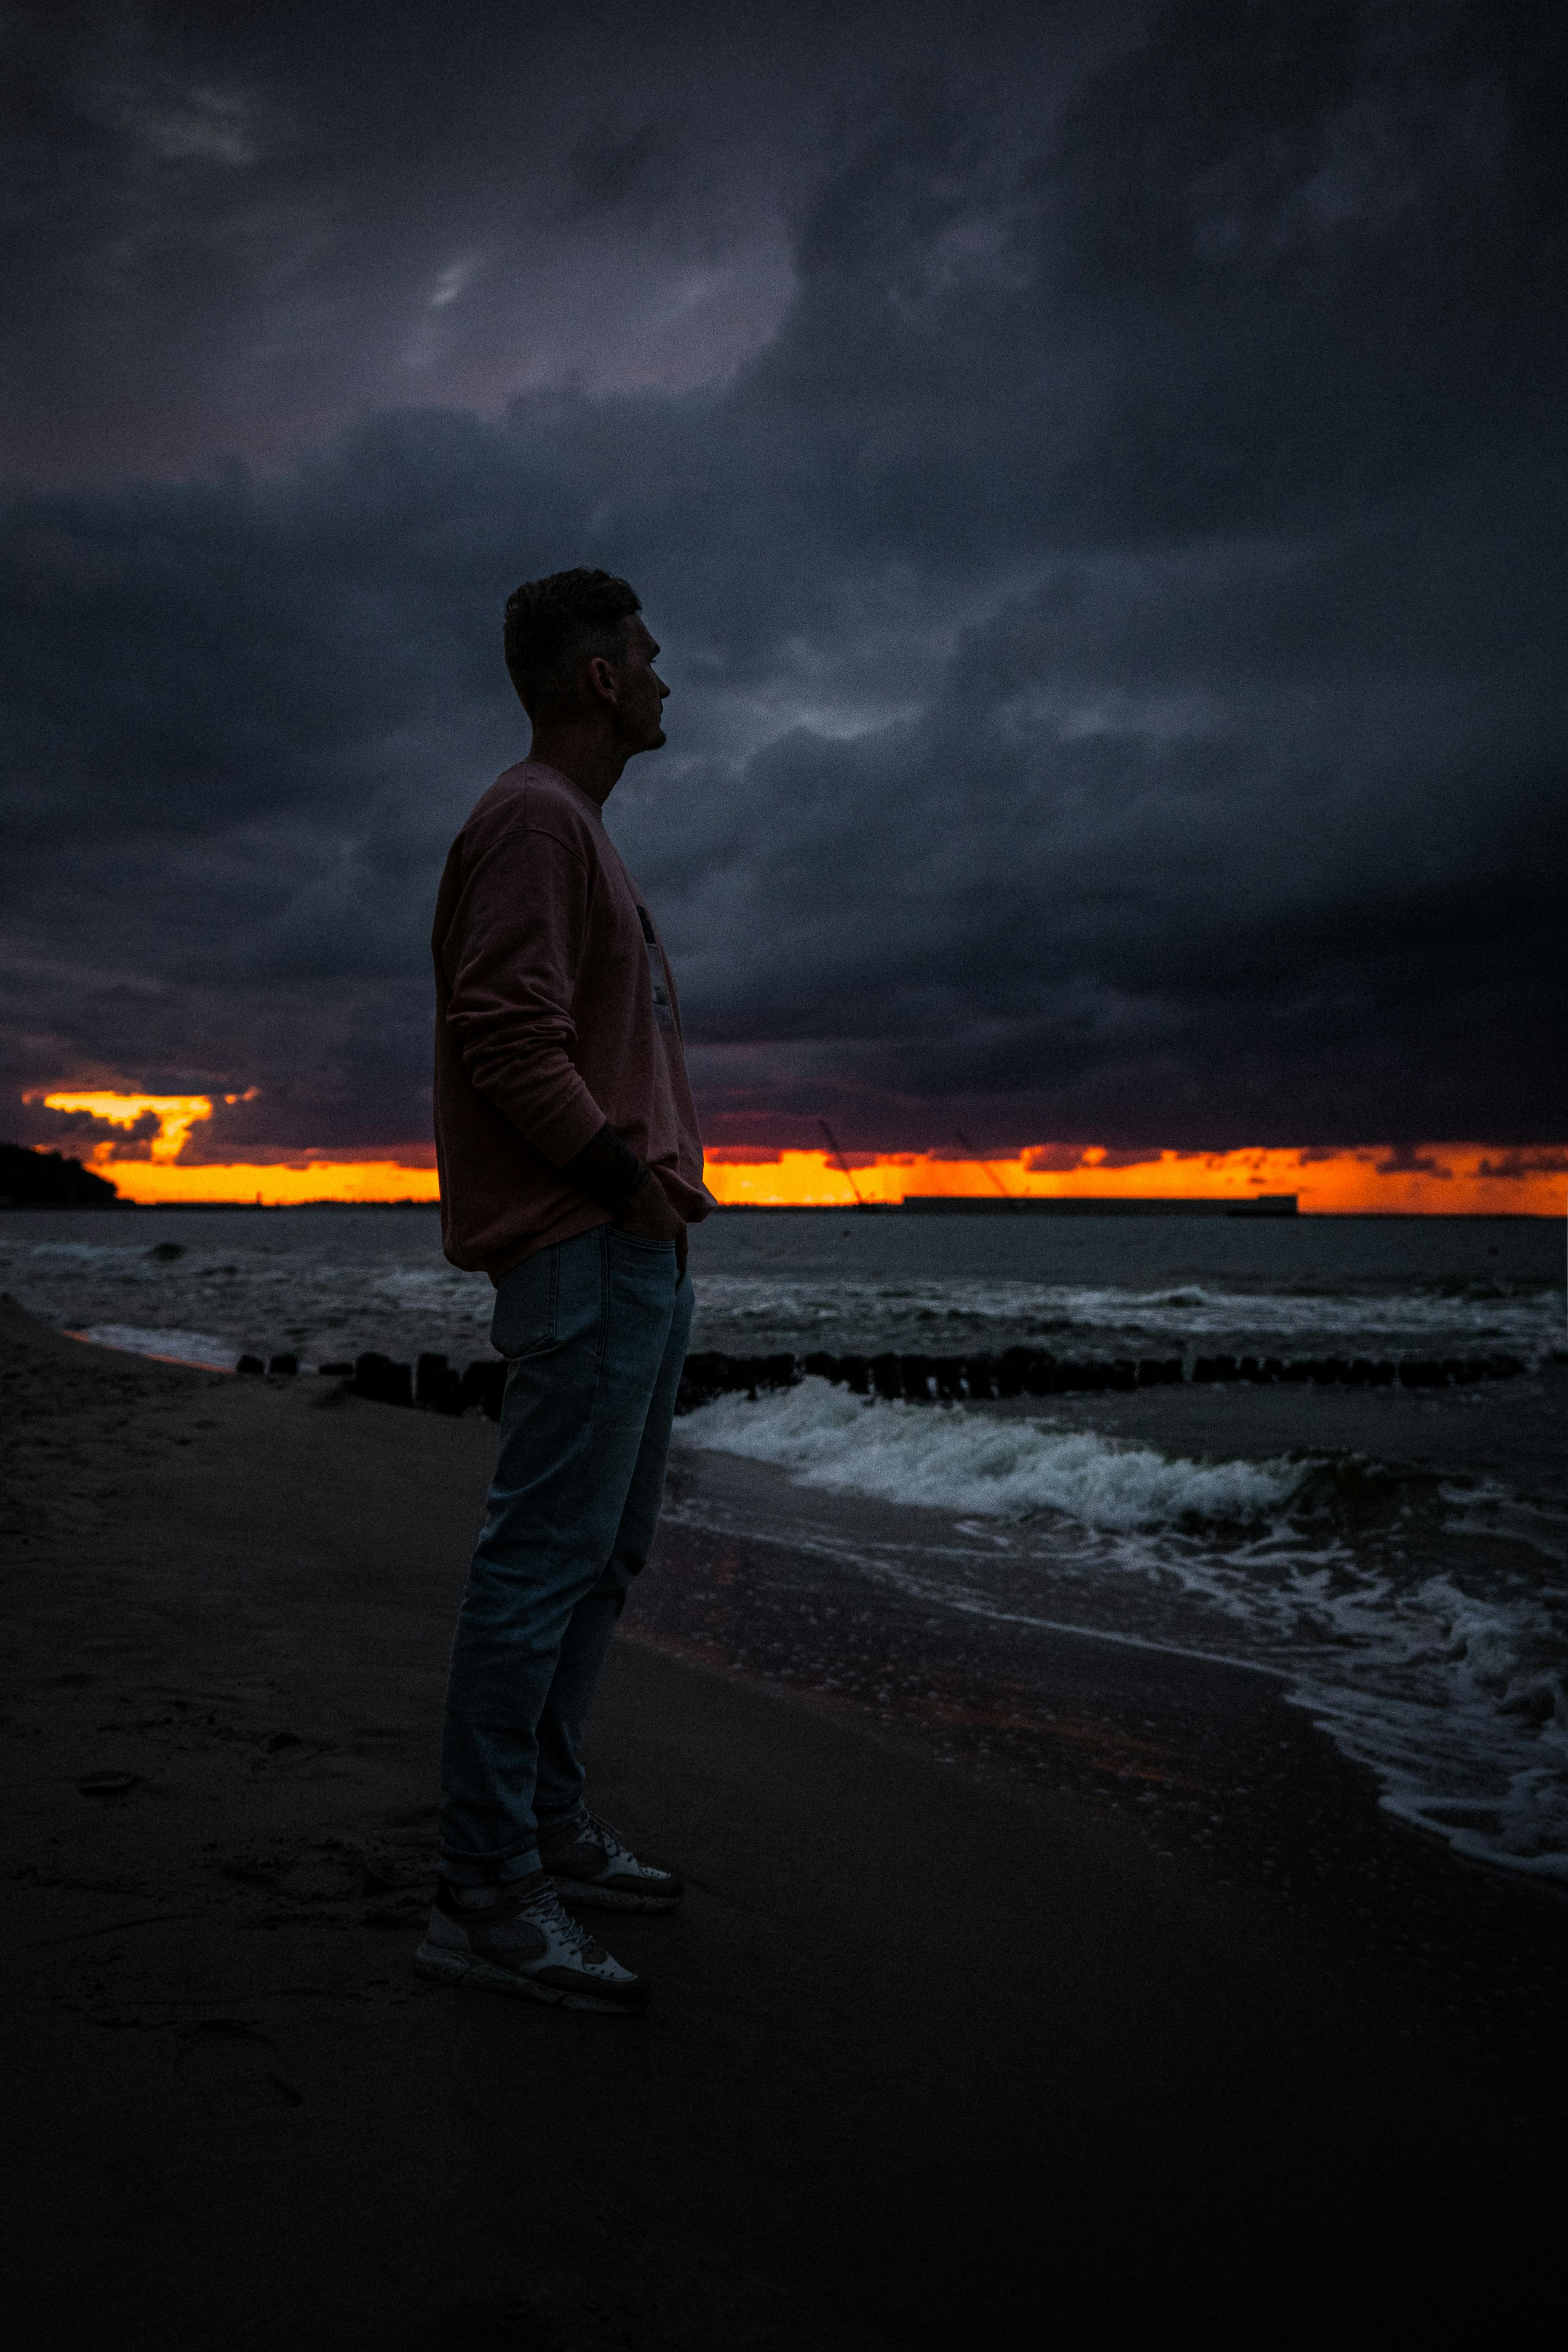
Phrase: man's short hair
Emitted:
{"points": [[553, 625]]}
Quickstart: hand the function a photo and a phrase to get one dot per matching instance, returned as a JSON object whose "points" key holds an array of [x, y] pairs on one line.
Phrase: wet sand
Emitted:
{"points": [[934, 2060], [1201, 1763]]}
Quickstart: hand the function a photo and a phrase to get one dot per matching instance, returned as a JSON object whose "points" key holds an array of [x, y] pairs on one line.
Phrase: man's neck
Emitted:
{"points": [[590, 761]]}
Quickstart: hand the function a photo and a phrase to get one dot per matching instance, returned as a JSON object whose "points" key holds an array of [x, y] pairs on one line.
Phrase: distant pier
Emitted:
{"points": [[977, 1204], [1132, 1205]]}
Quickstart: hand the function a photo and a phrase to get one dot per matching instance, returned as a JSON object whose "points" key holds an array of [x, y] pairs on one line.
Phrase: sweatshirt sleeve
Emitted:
{"points": [[510, 953]]}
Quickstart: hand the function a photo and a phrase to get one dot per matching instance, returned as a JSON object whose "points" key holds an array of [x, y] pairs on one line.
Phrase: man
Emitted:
{"points": [[571, 1166]]}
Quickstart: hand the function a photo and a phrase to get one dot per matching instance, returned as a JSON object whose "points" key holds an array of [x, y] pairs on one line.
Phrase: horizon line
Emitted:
{"points": [[1444, 1178]]}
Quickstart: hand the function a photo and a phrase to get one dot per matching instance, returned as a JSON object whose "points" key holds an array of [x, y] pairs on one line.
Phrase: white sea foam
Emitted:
{"points": [[1458, 1705], [78, 1253], [200, 1348], [961, 1461], [441, 1290]]}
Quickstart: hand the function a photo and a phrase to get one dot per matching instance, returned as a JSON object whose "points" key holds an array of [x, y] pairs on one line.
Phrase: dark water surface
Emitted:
{"points": [[330, 1282]]}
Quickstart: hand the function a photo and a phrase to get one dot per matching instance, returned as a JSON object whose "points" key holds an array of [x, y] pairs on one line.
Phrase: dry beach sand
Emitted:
{"points": [[933, 2059]]}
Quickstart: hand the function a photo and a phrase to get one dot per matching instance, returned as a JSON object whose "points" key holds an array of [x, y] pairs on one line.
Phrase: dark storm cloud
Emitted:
{"points": [[1114, 615], [236, 228]]}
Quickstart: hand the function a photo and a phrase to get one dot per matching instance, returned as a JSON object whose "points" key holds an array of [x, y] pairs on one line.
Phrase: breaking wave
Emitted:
{"points": [[980, 1464]]}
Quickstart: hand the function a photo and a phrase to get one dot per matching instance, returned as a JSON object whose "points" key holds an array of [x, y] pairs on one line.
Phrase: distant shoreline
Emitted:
{"points": [[1070, 1205]]}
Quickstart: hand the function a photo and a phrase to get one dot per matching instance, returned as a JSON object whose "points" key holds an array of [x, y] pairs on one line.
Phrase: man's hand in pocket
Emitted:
{"points": [[648, 1215]]}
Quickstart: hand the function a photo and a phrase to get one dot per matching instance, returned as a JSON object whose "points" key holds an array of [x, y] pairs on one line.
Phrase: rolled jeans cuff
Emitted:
{"points": [[501, 1874]]}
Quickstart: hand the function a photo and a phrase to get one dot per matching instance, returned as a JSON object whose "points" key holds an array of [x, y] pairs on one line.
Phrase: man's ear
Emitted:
{"points": [[601, 679]]}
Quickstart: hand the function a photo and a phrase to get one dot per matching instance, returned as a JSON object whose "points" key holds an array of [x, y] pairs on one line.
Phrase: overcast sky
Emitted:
{"points": [[1096, 473]]}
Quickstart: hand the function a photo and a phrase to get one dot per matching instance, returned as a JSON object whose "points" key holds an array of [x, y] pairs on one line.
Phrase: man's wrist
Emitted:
{"points": [[608, 1170]]}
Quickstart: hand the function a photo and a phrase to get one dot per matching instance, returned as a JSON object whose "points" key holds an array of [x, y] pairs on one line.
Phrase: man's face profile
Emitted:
{"points": [[639, 691]]}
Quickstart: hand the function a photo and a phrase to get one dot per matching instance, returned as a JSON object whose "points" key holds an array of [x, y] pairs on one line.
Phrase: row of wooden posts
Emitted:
{"points": [[436, 1385]]}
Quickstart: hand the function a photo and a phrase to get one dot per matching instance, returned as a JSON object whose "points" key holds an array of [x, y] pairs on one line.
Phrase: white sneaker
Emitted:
{"points": [[526, 1944], [591, 1864]]}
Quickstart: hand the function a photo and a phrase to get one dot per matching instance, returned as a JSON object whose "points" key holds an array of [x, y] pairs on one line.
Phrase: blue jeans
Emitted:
{"points": [[594, 1335]]}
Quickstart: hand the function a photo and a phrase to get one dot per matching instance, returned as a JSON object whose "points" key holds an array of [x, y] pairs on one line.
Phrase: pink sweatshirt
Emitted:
{"points": [[555, 1012]]}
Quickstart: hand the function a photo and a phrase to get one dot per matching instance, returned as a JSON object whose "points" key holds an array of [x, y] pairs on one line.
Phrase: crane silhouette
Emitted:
{"points": [[965, 1145], [843, 1164]]}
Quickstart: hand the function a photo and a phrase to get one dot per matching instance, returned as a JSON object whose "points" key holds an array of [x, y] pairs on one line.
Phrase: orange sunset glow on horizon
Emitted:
{"points": [[1434, 1180]]}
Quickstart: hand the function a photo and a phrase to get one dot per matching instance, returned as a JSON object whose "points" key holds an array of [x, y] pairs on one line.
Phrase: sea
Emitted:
{"points": [[1405, 1583]]}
